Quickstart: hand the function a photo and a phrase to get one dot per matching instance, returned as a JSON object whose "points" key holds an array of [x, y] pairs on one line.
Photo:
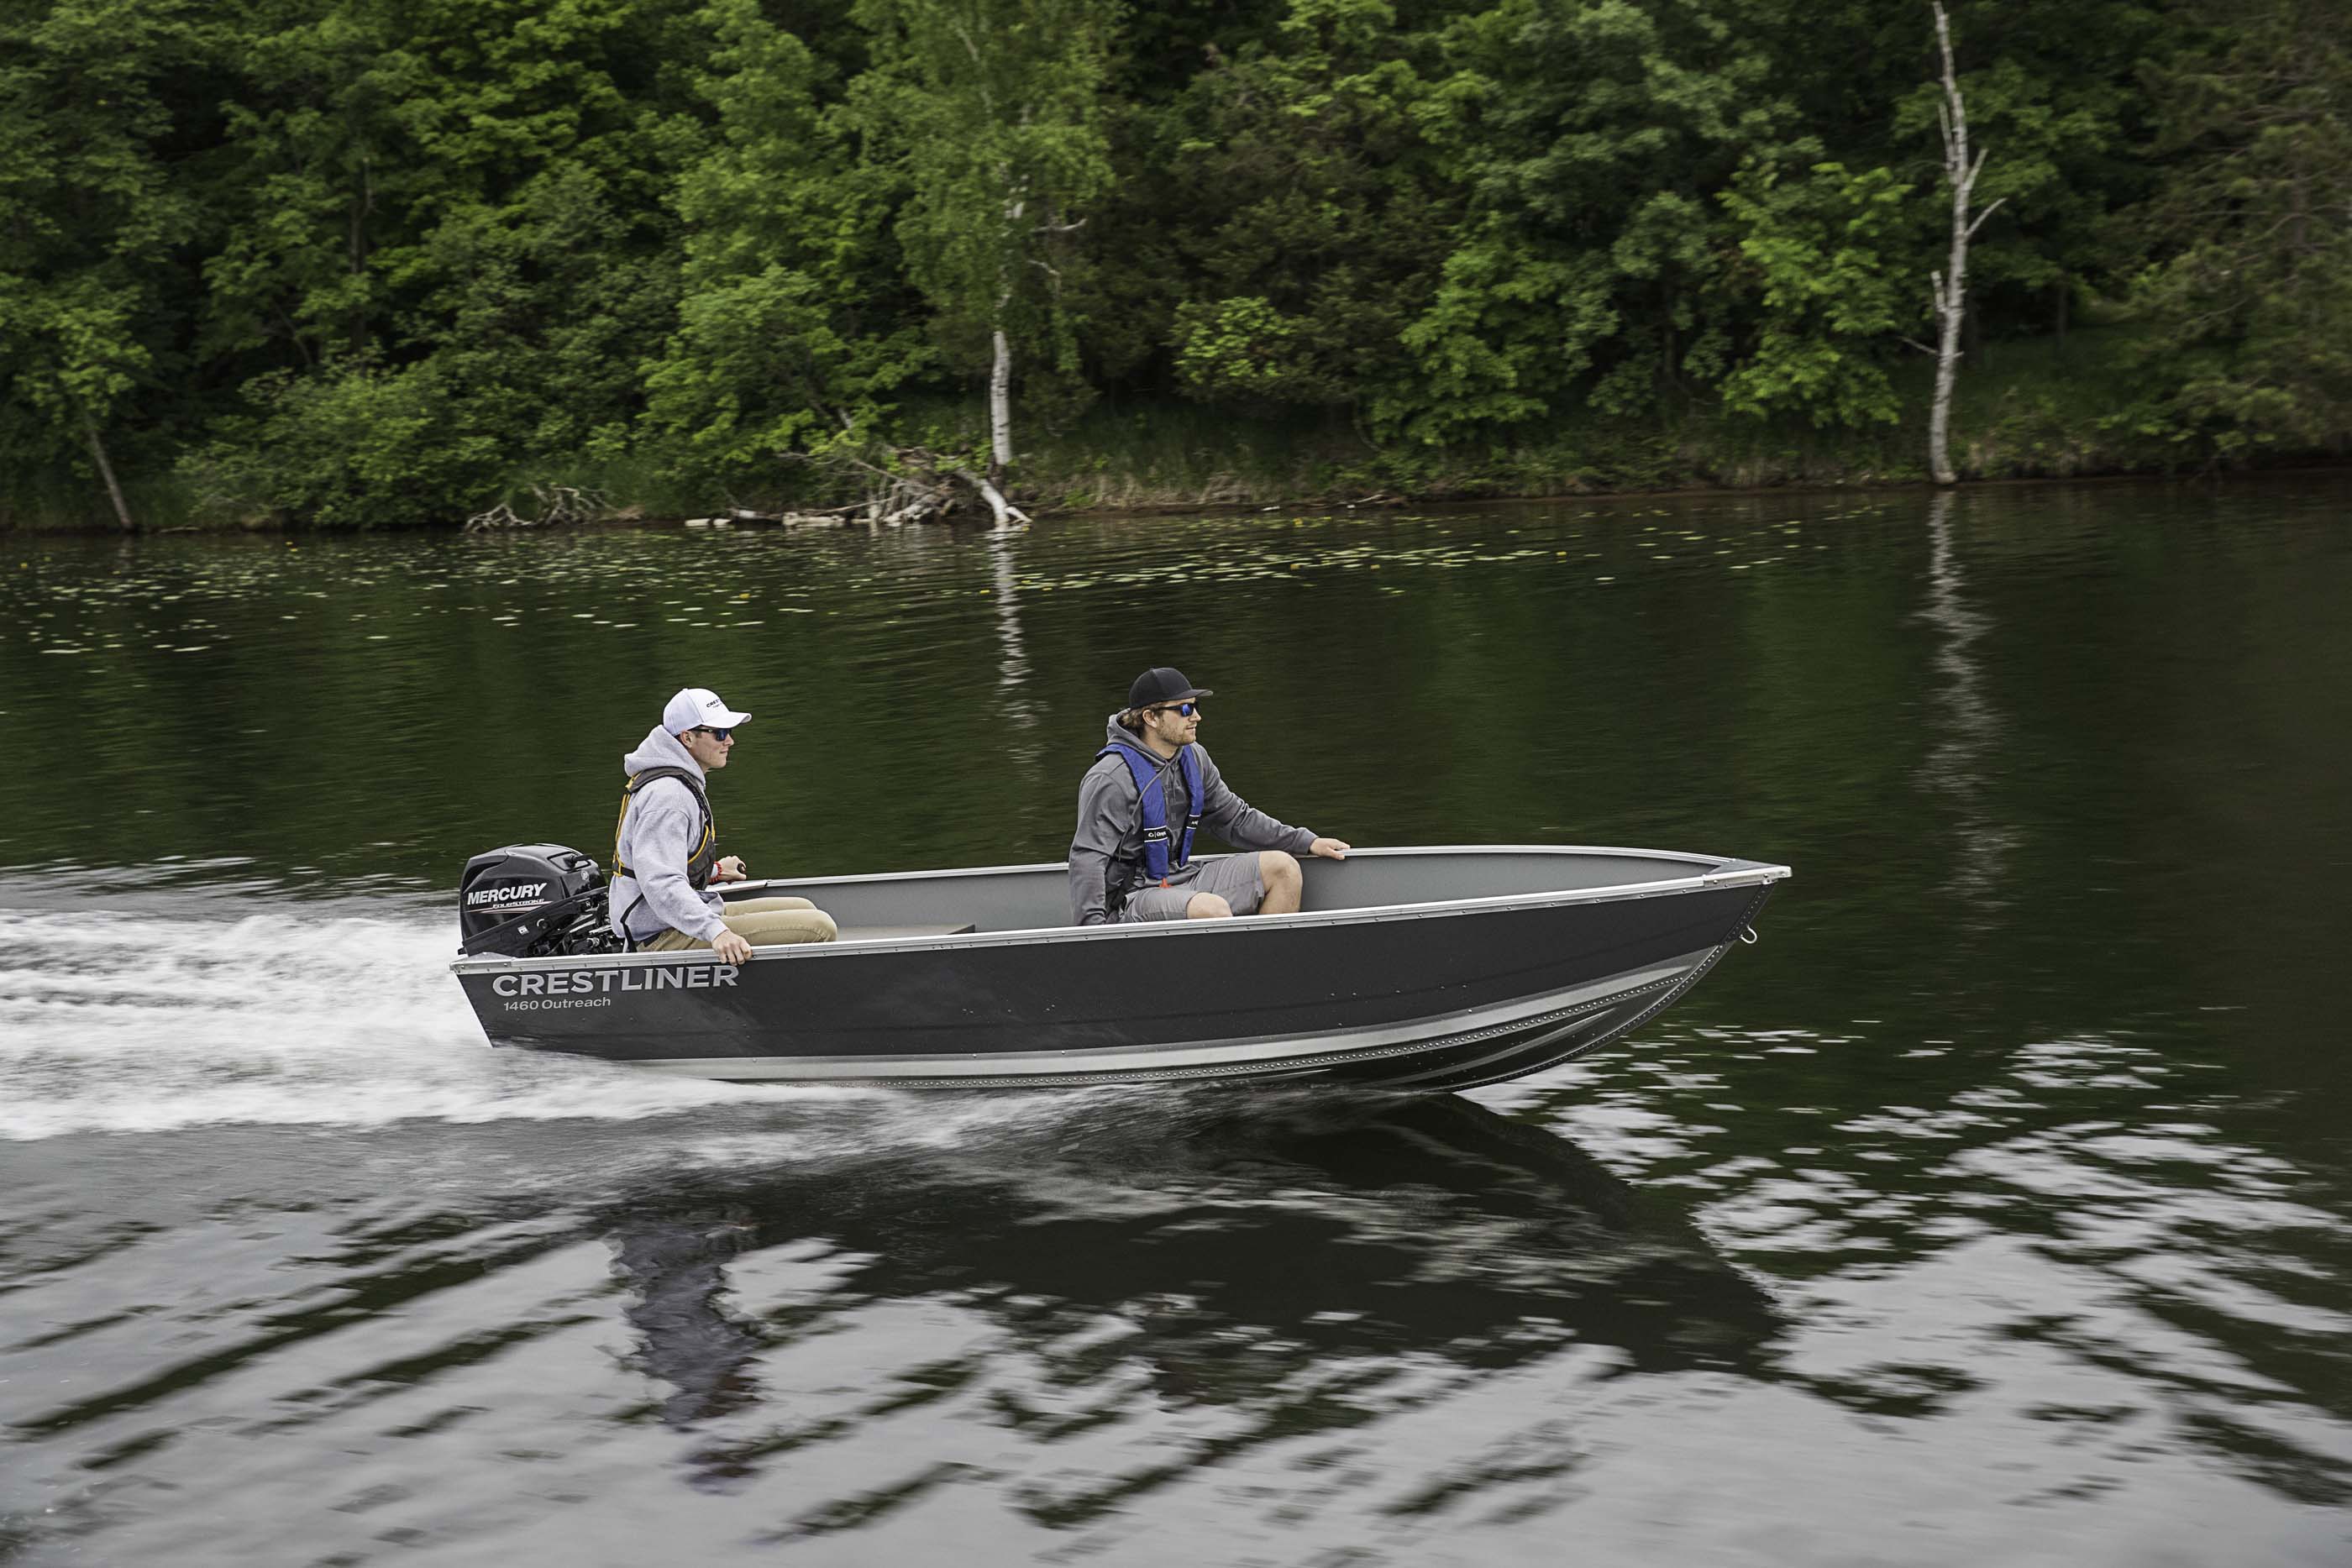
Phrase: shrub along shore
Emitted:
{"points": [[2028, 410]]}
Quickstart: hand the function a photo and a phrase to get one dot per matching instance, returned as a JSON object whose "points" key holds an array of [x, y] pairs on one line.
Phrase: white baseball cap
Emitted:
{"points": [[698, 707]]}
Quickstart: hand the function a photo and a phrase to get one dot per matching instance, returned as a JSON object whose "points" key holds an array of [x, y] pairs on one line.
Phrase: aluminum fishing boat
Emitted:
{"points": [[1406, 968]]}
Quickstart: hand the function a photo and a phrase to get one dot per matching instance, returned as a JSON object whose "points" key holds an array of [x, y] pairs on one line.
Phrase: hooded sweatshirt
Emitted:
{"points": [[656, 841], [1106, 852]]}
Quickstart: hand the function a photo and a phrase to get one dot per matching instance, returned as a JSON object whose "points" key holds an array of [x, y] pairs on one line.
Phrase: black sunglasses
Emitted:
{"points": [[1185, 710], [714, 733]]}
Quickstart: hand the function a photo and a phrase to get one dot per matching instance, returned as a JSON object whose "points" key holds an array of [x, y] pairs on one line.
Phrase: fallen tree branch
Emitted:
{"points": [[905, 485], [558, 504], [1005, 511]]}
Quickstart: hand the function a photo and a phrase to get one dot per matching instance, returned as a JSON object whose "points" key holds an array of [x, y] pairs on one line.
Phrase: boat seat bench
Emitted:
{"points": [[892, 933]]}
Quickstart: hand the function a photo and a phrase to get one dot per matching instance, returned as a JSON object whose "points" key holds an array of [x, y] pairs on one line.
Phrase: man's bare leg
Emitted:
{"points": [[1208, 906], [1284, 886]]}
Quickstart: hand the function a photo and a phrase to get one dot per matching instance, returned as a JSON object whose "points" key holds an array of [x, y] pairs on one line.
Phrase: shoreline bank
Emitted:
{"points": [[2029, 413], [1256, 502]]}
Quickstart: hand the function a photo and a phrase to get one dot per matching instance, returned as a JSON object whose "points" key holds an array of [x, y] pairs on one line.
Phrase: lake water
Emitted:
{"points": [[1993, 1211]]}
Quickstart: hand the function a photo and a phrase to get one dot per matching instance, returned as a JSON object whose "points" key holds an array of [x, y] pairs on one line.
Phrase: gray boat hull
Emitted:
{"points": [[1537, 956]]}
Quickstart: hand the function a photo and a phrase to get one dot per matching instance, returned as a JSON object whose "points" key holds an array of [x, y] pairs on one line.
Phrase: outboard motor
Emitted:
{"points": [[530, 901]]}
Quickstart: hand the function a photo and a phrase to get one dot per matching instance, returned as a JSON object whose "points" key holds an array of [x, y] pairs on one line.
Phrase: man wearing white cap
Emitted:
{"points": [[664, 848]]}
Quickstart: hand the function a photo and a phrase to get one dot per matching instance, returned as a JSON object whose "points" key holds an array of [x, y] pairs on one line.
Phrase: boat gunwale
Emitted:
{"points": [[1726, 871]]}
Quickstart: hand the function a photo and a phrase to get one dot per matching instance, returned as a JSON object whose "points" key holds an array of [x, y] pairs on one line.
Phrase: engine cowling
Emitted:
{"points": [[501, 889]]}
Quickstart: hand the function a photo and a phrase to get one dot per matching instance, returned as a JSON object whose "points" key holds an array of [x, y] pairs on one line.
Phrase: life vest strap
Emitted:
{"points": [[703, 858]]}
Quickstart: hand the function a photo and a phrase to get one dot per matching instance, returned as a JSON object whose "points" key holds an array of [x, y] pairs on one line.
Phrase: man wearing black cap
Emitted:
{"points": [[1152, 786]]}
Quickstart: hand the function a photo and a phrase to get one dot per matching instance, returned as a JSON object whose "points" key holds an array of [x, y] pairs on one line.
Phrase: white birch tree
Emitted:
{"points": [[989, 111], [1950, 284]]}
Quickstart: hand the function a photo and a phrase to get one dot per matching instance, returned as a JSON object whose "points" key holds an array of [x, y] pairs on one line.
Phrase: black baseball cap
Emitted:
{"points": [[1162, 686]]}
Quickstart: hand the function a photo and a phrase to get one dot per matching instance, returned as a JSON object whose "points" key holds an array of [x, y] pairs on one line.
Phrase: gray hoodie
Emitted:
{"points": [[656, 839], [1107, 852]]}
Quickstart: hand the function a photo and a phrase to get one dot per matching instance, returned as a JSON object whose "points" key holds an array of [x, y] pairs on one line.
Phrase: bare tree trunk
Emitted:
{"points": [[106, 472], [1950, 285], [999, 410]]}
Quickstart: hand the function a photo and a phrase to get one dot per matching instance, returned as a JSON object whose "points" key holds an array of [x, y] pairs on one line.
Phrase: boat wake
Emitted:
{"points": [[116, 1023]]}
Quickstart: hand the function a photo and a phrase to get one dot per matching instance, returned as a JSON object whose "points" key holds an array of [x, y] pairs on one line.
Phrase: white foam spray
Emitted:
{"points": [[121, 1022]]}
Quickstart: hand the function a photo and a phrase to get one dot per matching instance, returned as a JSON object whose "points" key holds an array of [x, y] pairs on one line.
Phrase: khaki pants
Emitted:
{"points": [[762, 922]]}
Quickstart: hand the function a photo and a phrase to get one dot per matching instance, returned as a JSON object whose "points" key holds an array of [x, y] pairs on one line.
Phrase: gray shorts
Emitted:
{"points": [[1233, 878]]}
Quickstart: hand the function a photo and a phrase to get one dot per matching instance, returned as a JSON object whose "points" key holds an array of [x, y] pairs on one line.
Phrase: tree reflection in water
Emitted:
{"points": [[1959, 761]]}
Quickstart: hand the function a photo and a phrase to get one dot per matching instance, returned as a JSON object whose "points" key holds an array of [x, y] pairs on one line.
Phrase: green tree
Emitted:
{"points": [[455, 205], [793, 328], [988, 114], [306, 182], [2249, 280], [92, 219], [1593, 135], [2054, 90], [1313, 213], [1823, 248]]}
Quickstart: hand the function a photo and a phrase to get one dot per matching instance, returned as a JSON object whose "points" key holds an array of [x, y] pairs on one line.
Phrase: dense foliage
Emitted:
{"points": [[361, 261]]}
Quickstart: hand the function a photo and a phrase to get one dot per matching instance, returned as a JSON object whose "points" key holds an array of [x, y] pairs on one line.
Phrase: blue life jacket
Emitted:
{"points": [[1151, 791]]}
